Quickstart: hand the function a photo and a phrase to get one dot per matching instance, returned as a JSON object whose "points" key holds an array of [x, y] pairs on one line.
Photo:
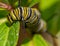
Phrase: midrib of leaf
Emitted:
{"points": [[13, 35]]}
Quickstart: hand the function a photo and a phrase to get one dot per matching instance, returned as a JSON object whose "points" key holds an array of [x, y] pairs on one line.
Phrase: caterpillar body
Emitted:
{"points": [[31, 16]]}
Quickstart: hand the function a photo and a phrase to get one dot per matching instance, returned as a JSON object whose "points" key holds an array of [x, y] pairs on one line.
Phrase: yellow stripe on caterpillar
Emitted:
{"points": [[12, 15]]}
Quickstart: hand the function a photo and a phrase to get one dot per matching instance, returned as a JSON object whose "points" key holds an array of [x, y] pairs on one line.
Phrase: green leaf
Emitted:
{"points": [[5, 1], [44, 4], [49, 11], [37, 40], [4, 30], [3, 13], [54, 22], [33, 2], [3, 20], [13, 3], [23, 2], [13, 35]]}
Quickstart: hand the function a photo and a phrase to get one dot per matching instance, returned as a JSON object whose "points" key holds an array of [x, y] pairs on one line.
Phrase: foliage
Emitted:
{"points": [[49, 12]]}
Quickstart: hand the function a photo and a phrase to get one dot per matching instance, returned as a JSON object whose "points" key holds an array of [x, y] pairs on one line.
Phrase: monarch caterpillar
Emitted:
{"points": [[31, 16]]}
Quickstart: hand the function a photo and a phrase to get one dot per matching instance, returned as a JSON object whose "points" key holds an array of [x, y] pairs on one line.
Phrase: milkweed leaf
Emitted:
{"points": [[4, 30], [37, 40], [13, 35]]}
